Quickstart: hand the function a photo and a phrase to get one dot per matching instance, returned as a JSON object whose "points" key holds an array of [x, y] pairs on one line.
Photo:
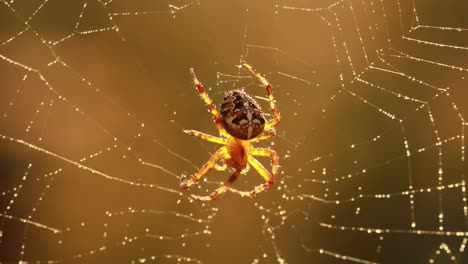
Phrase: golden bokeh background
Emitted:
{"points": [[95, 94]]}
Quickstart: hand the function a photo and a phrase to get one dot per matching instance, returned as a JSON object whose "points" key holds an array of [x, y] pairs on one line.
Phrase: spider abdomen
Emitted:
{"points": [[241, 115]]}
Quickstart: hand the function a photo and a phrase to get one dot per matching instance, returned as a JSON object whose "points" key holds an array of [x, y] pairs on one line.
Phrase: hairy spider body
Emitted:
{"points": [[241, 115], [240, 122]]}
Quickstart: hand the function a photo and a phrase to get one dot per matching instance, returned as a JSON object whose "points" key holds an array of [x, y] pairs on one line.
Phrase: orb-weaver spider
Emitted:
{"points": [[240, 122]]}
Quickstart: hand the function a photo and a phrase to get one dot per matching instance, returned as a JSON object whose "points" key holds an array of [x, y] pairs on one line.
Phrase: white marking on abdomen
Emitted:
{"points": [[249, 116], [243, 121], [249, 132]]}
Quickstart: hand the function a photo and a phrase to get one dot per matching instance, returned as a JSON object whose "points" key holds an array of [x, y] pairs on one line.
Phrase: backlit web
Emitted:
{"points": [[95, 95]]}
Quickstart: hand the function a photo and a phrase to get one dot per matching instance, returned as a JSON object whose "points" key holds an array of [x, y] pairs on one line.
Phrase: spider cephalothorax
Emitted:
{"points": [[240, 123], [241, 115]]}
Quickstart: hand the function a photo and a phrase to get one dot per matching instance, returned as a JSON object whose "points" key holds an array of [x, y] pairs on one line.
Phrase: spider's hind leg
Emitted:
{"points": [[245, 170], [224, 166], [204, 170], [269, 178], [219, 167], [220, 190]]}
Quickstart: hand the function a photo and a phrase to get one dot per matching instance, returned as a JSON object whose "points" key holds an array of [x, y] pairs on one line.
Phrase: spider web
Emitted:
{"points": [[95, 95]]}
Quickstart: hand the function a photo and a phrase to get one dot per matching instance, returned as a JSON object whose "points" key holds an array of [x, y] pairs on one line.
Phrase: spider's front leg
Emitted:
{"points": [[206, 137], [265, 135], [205, 168], [274, 110], [209, 103]]}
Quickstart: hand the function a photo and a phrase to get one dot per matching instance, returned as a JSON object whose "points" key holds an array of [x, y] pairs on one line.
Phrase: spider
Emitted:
{"points": [[240, 122]]}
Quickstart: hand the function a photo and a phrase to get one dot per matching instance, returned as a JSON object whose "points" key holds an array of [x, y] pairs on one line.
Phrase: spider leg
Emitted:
{"points": [[268, 153], [206, 167], [209, 103], [269, 89], [246, 169], [224, 167], [269, 178], [265, 135], [220, 167], [206, 137], [220, 190], [241, 193], [264, 173]]}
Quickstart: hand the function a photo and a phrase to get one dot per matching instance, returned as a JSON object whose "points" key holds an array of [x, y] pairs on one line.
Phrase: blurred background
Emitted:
{"points": [[95, 94]]}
